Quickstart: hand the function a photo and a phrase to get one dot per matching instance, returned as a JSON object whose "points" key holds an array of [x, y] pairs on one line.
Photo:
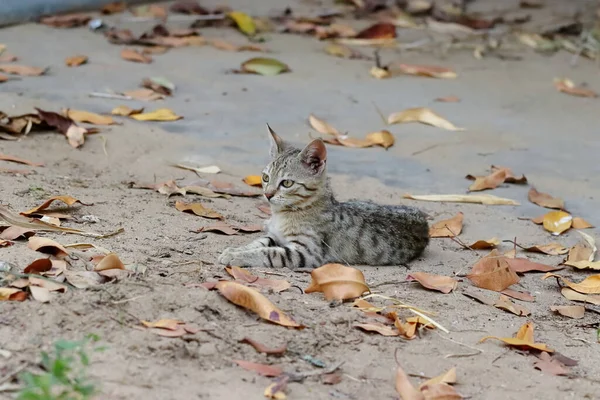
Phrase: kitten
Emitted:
{"points": [[309, 228]]}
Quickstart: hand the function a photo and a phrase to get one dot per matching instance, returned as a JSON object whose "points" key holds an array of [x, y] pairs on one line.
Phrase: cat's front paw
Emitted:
{"points": [[227, 255]]}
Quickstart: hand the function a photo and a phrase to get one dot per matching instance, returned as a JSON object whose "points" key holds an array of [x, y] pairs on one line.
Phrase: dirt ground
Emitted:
{"points": [[513, 115]]}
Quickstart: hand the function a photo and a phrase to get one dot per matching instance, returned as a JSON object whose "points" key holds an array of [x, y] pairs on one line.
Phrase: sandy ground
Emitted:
{"points": [[513, 115]]}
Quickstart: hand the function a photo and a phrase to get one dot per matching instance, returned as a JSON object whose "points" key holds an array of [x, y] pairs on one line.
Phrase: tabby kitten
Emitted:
{"points": [[309, 228]]}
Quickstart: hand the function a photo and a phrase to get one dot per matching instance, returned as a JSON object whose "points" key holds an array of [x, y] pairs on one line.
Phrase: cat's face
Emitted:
{"points": [[293, 177]]}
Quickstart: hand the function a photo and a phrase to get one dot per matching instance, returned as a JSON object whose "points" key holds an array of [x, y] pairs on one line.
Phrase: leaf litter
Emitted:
{"points": [[447, 228], [523, 339], [423, 115], [337, 282]]}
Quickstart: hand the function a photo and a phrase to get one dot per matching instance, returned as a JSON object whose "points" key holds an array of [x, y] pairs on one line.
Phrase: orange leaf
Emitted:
{"points": [[557, 222], [580, 223], [493, 272], [22, 70], [110, 261], [337, 282], [504, 303], [170, 324], [522, 265], [12, 294], [485, 244], [590, 285], [261, 369], [241, 274], [384, 330], [38, 266], [523, 339], [89, 117], [567, 86], [553, 249], [545, 200], [431, 71], [253, 180], [382, 30], [135, 56], [405, 388], [197, 209], [444, 284], [47, 246], [447, 377], [491, 181], [76, 61], [261, 348], [448, 227], [448, 99], [252, 300], [6, 157], [68, 200]]}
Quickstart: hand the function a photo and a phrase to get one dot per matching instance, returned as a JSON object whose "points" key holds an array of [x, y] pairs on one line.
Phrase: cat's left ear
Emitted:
{"points": [[276, 143], [314, 156]]}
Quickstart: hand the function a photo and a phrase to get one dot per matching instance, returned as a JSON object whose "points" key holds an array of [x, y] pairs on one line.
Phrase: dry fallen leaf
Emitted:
{"points": [[493, 272], [510, 176], [22, 70], [515, 294], [580, 223], [579, 252], [405, 388], [504, 303], [90, 117], [170, 328], [227, 46], [253, 180], [522, 265], [110, 261], [74, 134], [161, 114], [522, 340], [227, 229], [487, 199], [66, 20], [444, 284], [550, 365], [575, 312], [552, 249], [448, 99], [584, 264], [447, 377], [575, 296], [125, 111], [557, 222], [431, 71], [485, 244], [197, 209], [84, 279], [159, 85], [261, 369], [40, 294], [448, 227], [114, 7], [47, 246], [491, 181], [338, 50], [590, 285], [381, 30], [261, 348], [12, 294], [384, 330], [252, 300], [75, 61], [241, 274], [244, 22], [135, 56], [68, 200], [6, 157], [567, 86], [144, 95], [545, 200], [322, 127], [264, 66], [423, 115], [276, 390], [337, 282], [38, 266]]}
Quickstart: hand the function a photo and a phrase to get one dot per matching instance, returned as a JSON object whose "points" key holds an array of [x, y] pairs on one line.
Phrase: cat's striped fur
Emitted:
{"points": [[310, 228]]}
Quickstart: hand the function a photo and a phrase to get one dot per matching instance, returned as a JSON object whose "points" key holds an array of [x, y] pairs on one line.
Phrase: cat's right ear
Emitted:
{"points": [[276, 143], [314, 156]]}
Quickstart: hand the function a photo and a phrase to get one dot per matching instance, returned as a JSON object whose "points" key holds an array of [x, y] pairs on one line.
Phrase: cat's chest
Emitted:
{"points": [[281, 228]]}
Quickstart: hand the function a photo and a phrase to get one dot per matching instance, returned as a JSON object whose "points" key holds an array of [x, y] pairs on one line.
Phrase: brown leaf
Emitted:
{"points": [[156, 87], [430, 71], [545, 200], [485, 244], [12, 294], [144, 95], [47, 246], [13, 232], [580, 223], [68, 200], [448, 227], [384, 330], [110, 261], [550, 366], [114, 7], [510, 176], [440, 391], [423, 115], [22, 70], [585, 264], [575, 312], [4, 78], [252, 300], [261, 348], [227, 46], [241, 274], [579, 252], [51, 286], [338, 50], [567, 86], [405, 388], [75, 134], [552, 249], [75, 61], [169, 324], [448, 99], [522, 340], [487, 199], [522, 265], [225, 228], [493, 272], [575, 296], [491, 181], [6, 157], [38, 266], [90, 117], [261, 369], [515, 294], [331, 379], [125, 111], [197, 209], [5, 243], [382, 30], [590, 285], [447, 377], [337, 282], [66, 20], [444, 284], [155, 50], [504, 303], [40, 294], [135, 56], [188, 7]]}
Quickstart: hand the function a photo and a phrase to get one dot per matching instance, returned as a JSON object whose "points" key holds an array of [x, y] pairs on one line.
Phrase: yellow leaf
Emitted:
{"points": [[448, 227], [487, 199], [379, 73], [337, 282], [557, 222], [590, 285], [431, 71], [575, 312], [381, 138], [523, 339], [580, 223], [198, 209], [125, 111], [90, 117], [244, 22], [321, 126], [110, 261], [253, 180], [76, 61], [584, 264], [447, 377], [68, 200], [162, 114], [423, 115], [575, 296]]}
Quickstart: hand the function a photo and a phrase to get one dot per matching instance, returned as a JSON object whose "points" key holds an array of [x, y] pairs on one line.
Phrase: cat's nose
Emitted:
{"points": [[268, 195]]}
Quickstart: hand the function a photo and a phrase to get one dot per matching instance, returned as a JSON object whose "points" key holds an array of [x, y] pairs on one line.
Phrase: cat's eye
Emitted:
{"points": [[265, 178], [286, 183]]}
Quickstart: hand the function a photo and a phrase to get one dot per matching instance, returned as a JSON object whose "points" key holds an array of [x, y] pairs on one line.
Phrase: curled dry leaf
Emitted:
{"points": [[552, 249], [261, 369], [66, 20], [504, 303], [444, 284], [486, 199], [225, 228], [170, 324], [522, 265], [448, 227], [485, 244], [510, 176], [241, 274], [261, 348], [22, 70], [252, 300], [253, 180], [197, 209], [545, 200], [567, 86], [5, 243], [90, 117], [491, 181], [382, 329], [440, 391], [9, 158], [161, 114], [584, 264], [590, 285], [159, 85], [74, 134], [381, 30], [447, 377], [405, 388], [276, 390], [84, 279], [322, 127], [125, 111], [110, 261], [12, 294], [264, 66], [170, 327], [211, 169], [579, 252], [47, 246], [575, 296], [522, 340], [338, 50], [515, 294], [40, 294], [575, 312], [337, 282], [227, 46], [379, 73], [244, 22], [135, 56], [68, 200], [430, 71], [75, 61], [144, 95], [423, 115], [493, 272], [580, 223], [38, 266], [557, 222]]}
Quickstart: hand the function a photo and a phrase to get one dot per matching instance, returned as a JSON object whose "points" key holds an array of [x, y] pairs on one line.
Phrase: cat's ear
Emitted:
{"points": [[314, 156], [276, 143]]}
